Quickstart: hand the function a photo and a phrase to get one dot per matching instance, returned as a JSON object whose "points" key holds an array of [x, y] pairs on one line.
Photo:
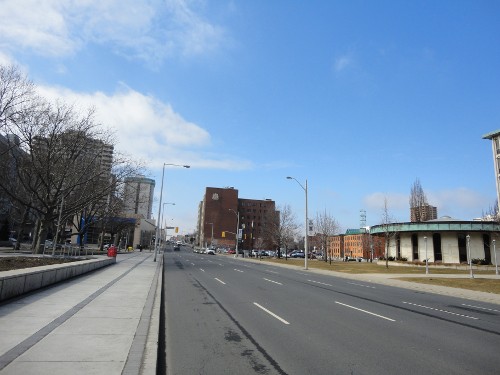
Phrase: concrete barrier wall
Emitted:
{"points": [[17, 282]]}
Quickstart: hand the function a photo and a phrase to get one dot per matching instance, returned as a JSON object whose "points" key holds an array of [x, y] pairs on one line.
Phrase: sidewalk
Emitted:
{"points": [[97, 323]]}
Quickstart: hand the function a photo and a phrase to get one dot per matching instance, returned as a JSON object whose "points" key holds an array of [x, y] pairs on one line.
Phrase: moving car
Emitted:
{"points": [[177, 247]]}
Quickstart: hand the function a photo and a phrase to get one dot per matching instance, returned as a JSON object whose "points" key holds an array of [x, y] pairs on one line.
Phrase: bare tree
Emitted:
{"points": [[418, 201], [59, 162], [387, 222], [283, 229], [16, 94], [326, 226]]}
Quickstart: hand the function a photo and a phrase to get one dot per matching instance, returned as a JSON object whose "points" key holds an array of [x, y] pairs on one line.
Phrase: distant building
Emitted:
{"points": [[423, 213], [444, 240], [355, 243], [218, 216], [138, 196]]}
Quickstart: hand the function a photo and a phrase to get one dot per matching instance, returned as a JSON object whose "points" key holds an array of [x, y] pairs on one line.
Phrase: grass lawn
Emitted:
{"points": [[480, 285]]}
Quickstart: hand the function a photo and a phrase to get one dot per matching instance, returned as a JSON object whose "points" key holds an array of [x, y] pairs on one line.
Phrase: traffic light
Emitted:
{"points": [[223, 234], [176, 229]]}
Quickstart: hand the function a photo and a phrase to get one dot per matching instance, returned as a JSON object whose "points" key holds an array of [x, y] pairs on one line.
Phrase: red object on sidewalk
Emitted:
{"points": [[112, 251]]}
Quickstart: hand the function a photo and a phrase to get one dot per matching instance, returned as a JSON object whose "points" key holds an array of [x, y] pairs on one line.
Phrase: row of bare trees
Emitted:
{"points": [[57, 163]]}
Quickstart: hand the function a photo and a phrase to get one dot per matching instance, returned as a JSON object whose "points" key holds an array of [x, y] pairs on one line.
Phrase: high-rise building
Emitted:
{"points": [[425, 212], [138, 196]]}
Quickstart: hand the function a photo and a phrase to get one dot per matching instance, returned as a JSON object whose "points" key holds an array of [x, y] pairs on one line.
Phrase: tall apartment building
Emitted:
{"points": [[221, 210], [423, 213], [138, 196]]}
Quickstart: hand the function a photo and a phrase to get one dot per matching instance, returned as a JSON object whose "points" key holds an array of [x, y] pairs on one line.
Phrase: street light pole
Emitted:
{"points": [[426, 259], [159, 206], [237, 229], [306, 250], [470, 258], [495, 252]]}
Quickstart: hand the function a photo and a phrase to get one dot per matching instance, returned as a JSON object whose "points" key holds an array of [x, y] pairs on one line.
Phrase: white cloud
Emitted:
{"points": [[148, 30], [342, 63], [148, 129]]}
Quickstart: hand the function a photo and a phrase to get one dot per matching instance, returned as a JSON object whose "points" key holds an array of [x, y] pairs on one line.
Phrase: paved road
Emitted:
{"points": [[227, 316]]}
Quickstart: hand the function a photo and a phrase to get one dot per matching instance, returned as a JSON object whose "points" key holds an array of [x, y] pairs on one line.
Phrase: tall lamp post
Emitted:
{"points": [[426, 259], [159, 206], [470, 258], [237, 229], [306, 223], [495, 252]]}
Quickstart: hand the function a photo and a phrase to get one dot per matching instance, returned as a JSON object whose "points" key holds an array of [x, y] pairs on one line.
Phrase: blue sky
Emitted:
{"points": [[358, 97]]}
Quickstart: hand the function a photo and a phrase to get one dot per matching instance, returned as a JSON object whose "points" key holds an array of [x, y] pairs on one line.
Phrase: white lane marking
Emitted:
{"points": [[365, 311], [481, 308], [272, 281], [202, 270], [317, 282], [271, 313], [364, 286], [272, 272], [238, 270], [443, 311], [192, 264], [220, 264], [220, 281]]}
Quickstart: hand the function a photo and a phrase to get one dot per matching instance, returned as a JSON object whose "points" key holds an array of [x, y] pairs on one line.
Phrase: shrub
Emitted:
{"points": [[480, 262]]}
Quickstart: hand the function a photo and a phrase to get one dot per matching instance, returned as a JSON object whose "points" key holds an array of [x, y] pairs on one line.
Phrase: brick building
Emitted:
{"points": [[355, 243], [218, 216]]}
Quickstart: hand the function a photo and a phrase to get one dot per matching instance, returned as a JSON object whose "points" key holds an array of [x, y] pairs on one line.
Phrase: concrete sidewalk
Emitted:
{"points": [[98, 323]]}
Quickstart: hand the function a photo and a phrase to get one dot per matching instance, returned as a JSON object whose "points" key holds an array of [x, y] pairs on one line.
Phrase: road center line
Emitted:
{"points": [[202, 270], [481, 308], [364, 286], [220, 281], [237, 270], [317, 282], [443, 311], [271, 313], [367, 312], [272, 281]]}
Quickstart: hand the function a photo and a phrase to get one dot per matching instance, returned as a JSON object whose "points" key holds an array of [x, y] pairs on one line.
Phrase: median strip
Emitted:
{"points": [[443, 311]]}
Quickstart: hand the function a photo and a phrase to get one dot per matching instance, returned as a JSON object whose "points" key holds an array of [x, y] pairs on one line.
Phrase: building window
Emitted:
{"points": [[436, 243], [414, 246], [487, 249], [462, 248]]}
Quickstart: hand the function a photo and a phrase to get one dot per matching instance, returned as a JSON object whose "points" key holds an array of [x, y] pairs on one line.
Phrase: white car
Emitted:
{"points": [[210, 251]]}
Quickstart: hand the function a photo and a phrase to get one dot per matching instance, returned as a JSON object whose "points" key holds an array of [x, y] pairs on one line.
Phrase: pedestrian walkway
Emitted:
{"points": [[97, 323]]}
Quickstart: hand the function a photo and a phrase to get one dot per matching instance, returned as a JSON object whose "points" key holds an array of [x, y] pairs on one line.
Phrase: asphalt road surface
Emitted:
{"points": [[224, 315]]}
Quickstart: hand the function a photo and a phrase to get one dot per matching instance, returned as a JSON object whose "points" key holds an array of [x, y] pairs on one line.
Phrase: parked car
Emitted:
{"points": [[210, 251], [297, 254]]}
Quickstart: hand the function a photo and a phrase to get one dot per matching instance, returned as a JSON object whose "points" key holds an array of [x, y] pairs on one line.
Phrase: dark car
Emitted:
{"points": [[177, 247]]}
